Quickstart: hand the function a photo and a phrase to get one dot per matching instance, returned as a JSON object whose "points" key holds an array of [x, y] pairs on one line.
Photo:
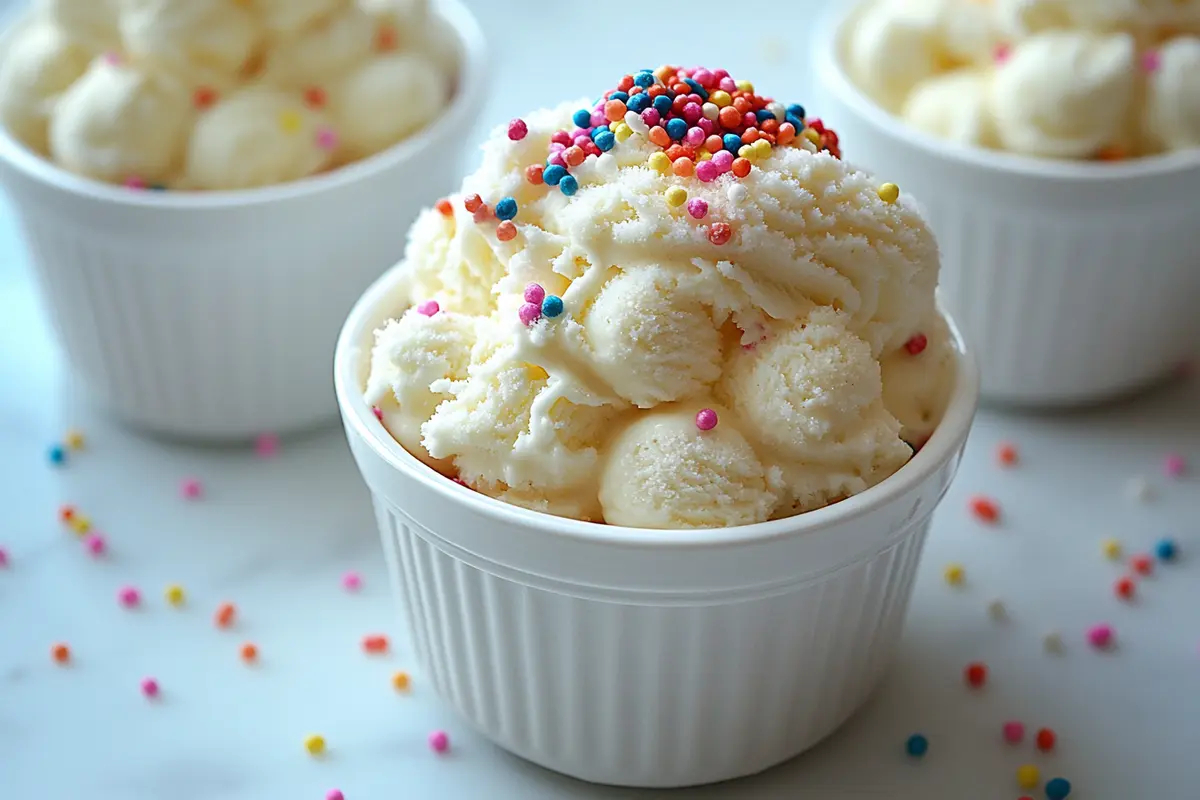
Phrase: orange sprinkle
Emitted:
{"points": [[66, 513], [729, 117], [204, 97], [676, 152], [1111, 154], [506, 231], [614, 110], [714, 144], [741, 167], [1006, 454], [769, 125], [473, 203], [750, 136], [683, 167], [574, 156], [742, 105], [401, 682], [445, 207], [656, 90], [61, 653], [249, 652], [385, 38], [315, 97], [787, 132], [225, 614], [985, 509], [1142, 564], [659, 136], [376, 643]]}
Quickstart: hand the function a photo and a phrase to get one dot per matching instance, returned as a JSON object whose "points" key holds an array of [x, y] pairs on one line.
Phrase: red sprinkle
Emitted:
{"points": [[445, 207], [204, 97], [533, 174], [1006, 454], [517, 130], [376, 643], [315, 97], [1045, 740], [1125, 588], [1142, 564], [917, 344], [473, 203], [720, 233], [985, 509], [976, 674]]}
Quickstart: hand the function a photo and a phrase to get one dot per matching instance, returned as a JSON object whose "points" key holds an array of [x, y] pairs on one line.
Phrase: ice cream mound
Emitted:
{"points": [[220, 94], [1070, 79], [674, 307]]}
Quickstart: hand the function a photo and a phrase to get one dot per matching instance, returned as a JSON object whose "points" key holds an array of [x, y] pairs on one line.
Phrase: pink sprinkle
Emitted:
{"points": [[749, 120], [1014, 732], [482, 214], [1002, 53], [428, 308], [692, 113], [704, 78], [3, 557], [557, 147], [529, 313], [1100, 636], [134, 182], [266, 445], [378, 412], [556, 160], [696, 207], [149, 687], [439, 741], [336, 794], [112, 58], [580, 140], [96, 546], [517, 130], [534, 293], [191, 488], [129, 597], [724, 160], [708, 126], [720, 74], [351, 582], [727, 84], [706, 419], [651, 117], [561, 137], [1174, 465], [695, 137], [327, 139], [598, 118], [1152, 61], [707, 172]]}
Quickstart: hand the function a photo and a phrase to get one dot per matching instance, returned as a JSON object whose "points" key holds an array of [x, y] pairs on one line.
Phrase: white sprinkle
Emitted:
{"points": [[997, 610], [1053, 642], [1139, 489], [710, 111], [778, 111], [737, 194], [636, 123]]}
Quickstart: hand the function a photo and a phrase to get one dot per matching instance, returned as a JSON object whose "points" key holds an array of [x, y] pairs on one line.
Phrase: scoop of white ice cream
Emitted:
{"points": [[90, 22], [286, 17], [1023, 17], [1173, 96], [322, 52], [39, 65], [192, 39], [1066, 94], [664, 472], [893, 46], [918, 383], [954, 106], [116, 123], [256, 137], [385, 100]]}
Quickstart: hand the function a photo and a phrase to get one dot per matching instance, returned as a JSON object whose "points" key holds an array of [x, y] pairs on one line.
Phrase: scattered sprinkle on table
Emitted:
{"points": [[375, 644], [95, 544], [61, 653], [917, 745], [1101, 636], [1014, 732], [66, 513], [1053, 642], [975, 674], [150, 687], [1111, 548], [351, 581], [191, 488], [954, 574], [439, 741], [1174, 465], [1006, 454], [1028, 776], [985, 509], [225, 615], [1045, 740], [129, 596], [57, 455], [74, 439], [315, 744], [1166, 550], [1142, 564], [1058, 789], [80, 524], [1125, 588], [249, 652], [266, 445], [335, 794], [174, 594], [400, 681], [3, 557]]}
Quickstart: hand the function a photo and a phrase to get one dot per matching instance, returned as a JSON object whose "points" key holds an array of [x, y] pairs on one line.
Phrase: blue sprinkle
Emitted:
{"points": [[582, 118], [797, 122], [644, 79], [639, 102], [507, 208], [1167, 550], [762, 115], [676, 128], [596, 131], [917, 745], [622, 96], [1058, 788], [553, 174], [732, 142], [697, 88], [552, 306], [57, 455], [795, 109], [568, 185], [662, 104], [605, 141]]}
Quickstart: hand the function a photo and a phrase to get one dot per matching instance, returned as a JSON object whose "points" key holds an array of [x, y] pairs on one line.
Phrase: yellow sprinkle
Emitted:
{"points": [[889, 193], [704, 156], [812, 136], [1028, 776], [720, 99], [81, 524], [622, 131], [291, 121], [676, 196], [745, 86], [400, 681], [747, 152], [662, 72], [74, 439], [536, 373], [762, 148], [174, 594], [659, 162], [954, 574], [1112, 549], [315, 744]]}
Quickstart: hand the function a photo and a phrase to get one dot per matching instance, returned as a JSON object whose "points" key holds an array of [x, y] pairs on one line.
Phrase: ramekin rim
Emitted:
{"points": [[830, 62], [361, 422], [471, 78]]}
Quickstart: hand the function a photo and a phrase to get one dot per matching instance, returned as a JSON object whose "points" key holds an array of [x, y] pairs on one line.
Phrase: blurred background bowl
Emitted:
{"points": [[213, 315]]}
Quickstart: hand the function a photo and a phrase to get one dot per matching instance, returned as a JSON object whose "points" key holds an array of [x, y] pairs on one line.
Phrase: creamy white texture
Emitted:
{"points": [[1173, 97], [286, 17], [194, 40], [388, 98], [90, 22], [323, 52], [781, 329], [1066, 94], [954, 106], [39, 66], [893, 47], [116, 123]]}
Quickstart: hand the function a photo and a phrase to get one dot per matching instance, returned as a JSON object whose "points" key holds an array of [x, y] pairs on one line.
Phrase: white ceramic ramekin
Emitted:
{"points": [[1073, 282], [214, 315], [642, 657]]}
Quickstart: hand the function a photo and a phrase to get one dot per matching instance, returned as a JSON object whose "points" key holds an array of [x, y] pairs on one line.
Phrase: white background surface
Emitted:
{"points": [[275, 537]]}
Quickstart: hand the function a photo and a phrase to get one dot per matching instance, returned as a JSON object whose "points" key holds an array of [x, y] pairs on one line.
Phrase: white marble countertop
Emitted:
{"points": [[275, 537]]}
